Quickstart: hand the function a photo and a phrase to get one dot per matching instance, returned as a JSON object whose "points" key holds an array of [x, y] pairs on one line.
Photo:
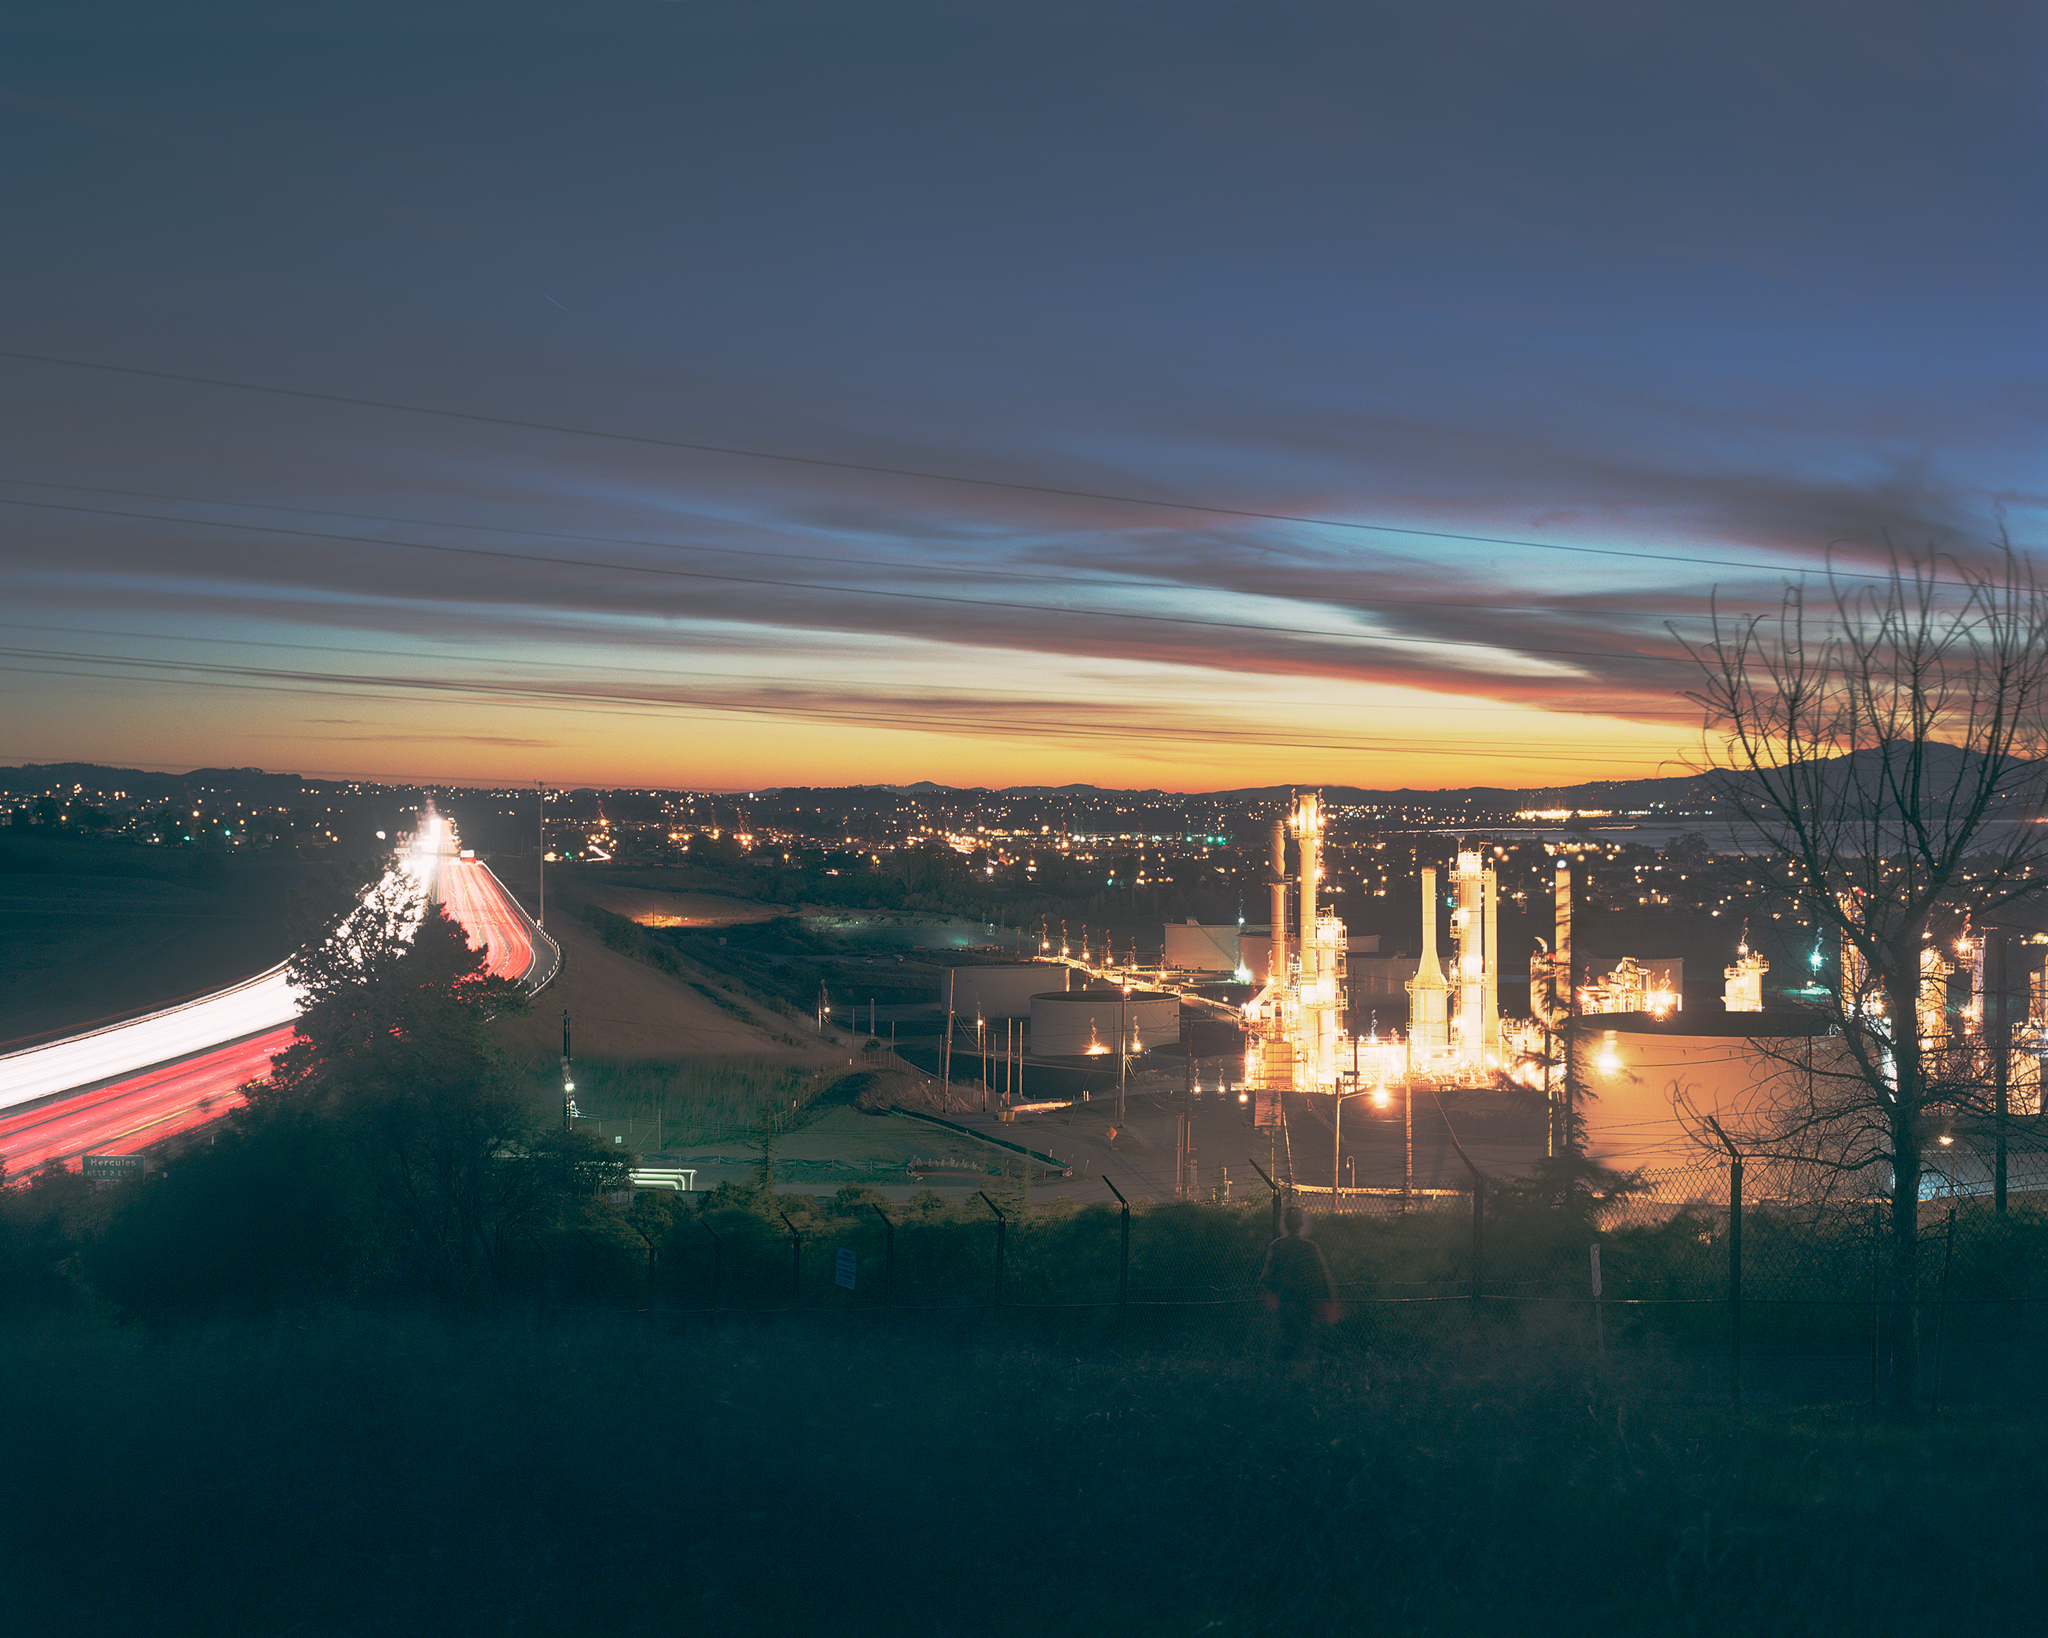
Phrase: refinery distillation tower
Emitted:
{"points": [[1297, 1041], [1293, 1020]]}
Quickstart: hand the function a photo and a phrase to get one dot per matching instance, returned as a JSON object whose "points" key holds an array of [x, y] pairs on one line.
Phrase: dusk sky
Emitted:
{"points": [[1171, 394]]}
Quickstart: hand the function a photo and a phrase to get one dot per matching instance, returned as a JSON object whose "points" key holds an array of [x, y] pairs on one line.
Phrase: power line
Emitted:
{"points": [[516, 697], [1059, 577], [549, 699], [828, 464], [681, 671], [503, 555], [1137, 582]]}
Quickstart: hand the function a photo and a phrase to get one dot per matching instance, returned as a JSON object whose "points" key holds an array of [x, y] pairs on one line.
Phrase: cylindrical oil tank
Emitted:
{"points": [[997, 992], [1074, 1023]]}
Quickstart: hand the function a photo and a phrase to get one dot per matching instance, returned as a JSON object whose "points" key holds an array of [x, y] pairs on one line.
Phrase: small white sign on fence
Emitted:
{"points": [[1596, 1268], [843, 1267]]}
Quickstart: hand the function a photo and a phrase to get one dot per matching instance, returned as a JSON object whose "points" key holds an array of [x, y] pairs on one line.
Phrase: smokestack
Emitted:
{"points": [[1428, 997], [1429, 916], [1489, 982], [1276, 953], [1309, 827]]}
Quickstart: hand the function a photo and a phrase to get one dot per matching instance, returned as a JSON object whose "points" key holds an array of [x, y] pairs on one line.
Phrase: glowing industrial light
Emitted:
{"points": [[1946, 1140], [1381, 1097], [1244, 1097]]}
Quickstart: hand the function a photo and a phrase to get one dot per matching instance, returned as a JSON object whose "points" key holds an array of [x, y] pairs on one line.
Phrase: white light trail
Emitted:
{"points": [[264, 1002], [260, 1003]]}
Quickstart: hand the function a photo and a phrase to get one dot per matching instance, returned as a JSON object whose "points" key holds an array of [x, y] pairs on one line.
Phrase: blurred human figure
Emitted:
{"points": [[1296, 1282]]}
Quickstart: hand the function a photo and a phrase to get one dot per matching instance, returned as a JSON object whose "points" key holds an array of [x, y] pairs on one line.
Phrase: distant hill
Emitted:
{"points": [[42, 776], [1684, 792], [96, 779], [1677, 795]]}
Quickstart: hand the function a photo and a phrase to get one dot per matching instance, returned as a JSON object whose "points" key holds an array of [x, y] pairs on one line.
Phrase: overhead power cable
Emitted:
{"points": [[1058, 574], [827, 463], [1384, 640], [609, 667], [586, 702]]}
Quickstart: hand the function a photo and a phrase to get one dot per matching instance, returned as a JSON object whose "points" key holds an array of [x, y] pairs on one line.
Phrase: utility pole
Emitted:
{"points": [[540, 858], [1408, 1142], [946, 1062], [568, 1078]]}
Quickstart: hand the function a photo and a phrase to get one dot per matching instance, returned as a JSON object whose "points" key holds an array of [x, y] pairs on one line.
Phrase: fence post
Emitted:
{"points": [[796, 1255], [1735, 1281], [1123, 1253], [1948, 1252], [1876, 1299], [1478, 1215], [1999, 1029], [1002, 1224], [1599, 1307], [1478, 1206], [717, 1257], [888, 1254], [1734, 1264], [1279, 1200]]}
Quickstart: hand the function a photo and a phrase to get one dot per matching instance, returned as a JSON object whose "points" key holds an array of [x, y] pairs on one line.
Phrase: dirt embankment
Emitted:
{"points": [[626, 1011]]}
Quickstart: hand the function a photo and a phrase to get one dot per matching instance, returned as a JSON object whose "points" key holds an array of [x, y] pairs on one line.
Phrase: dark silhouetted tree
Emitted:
{"points": [[1880, 750]]}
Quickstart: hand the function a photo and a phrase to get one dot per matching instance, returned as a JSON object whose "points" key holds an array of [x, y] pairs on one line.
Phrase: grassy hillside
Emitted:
{"points": [[90, 930], [572, 1474]]}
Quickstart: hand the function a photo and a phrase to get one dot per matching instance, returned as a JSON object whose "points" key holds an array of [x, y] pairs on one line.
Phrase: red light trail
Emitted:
{"points": [[131, 1114]]}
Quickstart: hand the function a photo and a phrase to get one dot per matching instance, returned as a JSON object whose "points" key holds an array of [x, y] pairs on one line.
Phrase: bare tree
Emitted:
{"points": [[1881, 754]]}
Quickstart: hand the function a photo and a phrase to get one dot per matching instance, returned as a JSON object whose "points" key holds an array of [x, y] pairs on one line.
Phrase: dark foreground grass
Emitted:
{"points": [[357, 1474]]}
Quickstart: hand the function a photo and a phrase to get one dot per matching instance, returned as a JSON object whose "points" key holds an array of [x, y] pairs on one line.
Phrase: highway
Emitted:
{"points": [[490, 915], [135, 1084]]}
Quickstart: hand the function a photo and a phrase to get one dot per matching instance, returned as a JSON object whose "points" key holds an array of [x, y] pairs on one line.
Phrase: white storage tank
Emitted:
{"points": [[998, 992], [1076, 1023], [1196, 947]]}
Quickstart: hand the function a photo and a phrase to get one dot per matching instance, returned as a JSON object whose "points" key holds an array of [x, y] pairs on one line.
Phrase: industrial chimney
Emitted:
{"points": [[1428, 994]]}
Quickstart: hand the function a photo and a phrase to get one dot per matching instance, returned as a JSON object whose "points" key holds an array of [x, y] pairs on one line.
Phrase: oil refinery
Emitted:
{"points": [[1636, 1049]]}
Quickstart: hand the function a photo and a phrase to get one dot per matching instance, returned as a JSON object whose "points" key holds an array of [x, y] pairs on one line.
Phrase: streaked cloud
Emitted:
{"points": [[1495, 351]]}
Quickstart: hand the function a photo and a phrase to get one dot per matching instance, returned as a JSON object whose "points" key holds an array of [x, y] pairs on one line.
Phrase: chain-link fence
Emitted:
{"points": [[1793, 1283]]}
